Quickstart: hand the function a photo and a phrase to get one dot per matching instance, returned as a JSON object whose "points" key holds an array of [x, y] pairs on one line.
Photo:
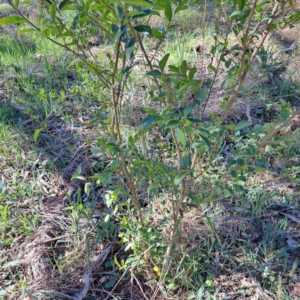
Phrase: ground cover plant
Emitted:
{"points": [[149, 150]]}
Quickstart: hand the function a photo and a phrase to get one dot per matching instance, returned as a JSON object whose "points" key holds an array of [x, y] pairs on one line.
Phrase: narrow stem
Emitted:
{"points": [[119, 136], [277, 129], [243, 72], [144, 51]]}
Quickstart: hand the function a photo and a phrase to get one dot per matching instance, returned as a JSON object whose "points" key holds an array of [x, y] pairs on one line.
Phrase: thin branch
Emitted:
{"points": [[211, 87], [243, 71], [277, 129], [119, 136], [143, 50]]}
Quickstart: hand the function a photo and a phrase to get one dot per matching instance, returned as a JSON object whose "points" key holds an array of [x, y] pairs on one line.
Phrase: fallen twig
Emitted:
{"points": [[289, 49], [101, 257], [139, 284], [248, 109]]}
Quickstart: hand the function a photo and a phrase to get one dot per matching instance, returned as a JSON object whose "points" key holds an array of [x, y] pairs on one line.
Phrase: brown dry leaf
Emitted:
{"points": [[247, 284]]}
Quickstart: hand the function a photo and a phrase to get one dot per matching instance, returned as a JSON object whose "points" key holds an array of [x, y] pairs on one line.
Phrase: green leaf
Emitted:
{"points": [[2, 244], [233, 173], [227, 63], [69, 7], [63, 4], [212, 68], [188, 109], [241, 4], [154, 73], [16, 4], [194, 121], [149, 120], [162, 63], [173, 69], [239, 188], [136, 14], [126, 70], [149, 110], [180, 136], [156, 33], [130, 47], [12, 20], [196, 145], [180, 8], [235, 15], [261, 163], [242, 125], [27, 29], [250, 150], [280, 254], [221, 47], [48, 18], [183, 67], [173, 123], [112, 147], [138, 3], [285, 113], [201, 95], [227, 193], [121, 31], [52, 11], [168, 11], [146, 12], [192, 73], [204, 132], [111, 283], [120, 12], [185, 162], [179, 177], [240, 162], [143, 28], [36, 134], [206, 141], [76, 61], [96, 150], [6, 7]]}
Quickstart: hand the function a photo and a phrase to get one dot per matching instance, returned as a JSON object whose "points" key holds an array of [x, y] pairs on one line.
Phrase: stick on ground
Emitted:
{"points": [[101, 257]]}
